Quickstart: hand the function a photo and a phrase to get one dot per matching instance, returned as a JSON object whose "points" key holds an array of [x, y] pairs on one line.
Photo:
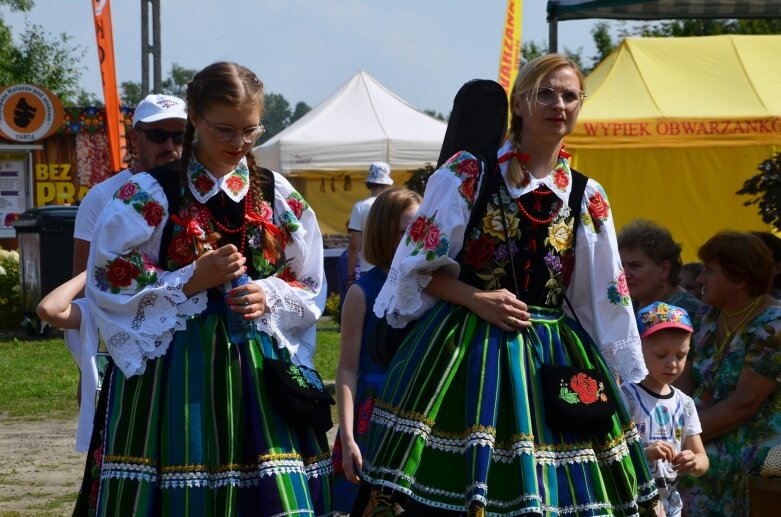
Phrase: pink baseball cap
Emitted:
{"points": [[660, 315]]}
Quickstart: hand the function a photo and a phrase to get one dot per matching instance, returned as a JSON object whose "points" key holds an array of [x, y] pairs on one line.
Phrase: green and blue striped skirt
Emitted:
{"points": [[461, 427], [196, 434]]}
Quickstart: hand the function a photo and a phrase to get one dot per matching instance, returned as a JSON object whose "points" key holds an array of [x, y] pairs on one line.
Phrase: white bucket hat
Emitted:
{"points": [[379, 173]]}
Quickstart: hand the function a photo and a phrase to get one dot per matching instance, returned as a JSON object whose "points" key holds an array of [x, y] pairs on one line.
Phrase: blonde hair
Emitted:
{"points": [[527, 84], [381, 237]]}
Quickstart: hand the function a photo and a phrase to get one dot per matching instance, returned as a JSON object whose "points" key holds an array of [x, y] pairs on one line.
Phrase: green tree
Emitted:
{"points": [[765, 191], [41, 59], [278, 115]]}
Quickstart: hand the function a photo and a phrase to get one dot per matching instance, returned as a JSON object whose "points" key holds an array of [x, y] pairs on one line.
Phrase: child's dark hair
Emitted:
{"points": [[381, 237], [227, 84]]}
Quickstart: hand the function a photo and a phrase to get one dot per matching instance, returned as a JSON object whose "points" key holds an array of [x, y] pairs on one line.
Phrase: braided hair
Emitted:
{"points": [[525, 89], [229, 84]]}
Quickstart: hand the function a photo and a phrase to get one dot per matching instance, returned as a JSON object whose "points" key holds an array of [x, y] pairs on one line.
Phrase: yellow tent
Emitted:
{"points": [[672, 127]]}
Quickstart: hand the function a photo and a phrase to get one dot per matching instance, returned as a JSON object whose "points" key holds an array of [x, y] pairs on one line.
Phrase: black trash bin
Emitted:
{"points": [[45, 238]]}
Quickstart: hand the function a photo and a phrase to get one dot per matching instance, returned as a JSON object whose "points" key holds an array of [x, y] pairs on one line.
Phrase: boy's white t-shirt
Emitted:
{"points": [[669, 418]]}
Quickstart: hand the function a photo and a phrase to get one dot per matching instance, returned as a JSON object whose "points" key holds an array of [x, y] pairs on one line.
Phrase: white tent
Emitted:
{"points": [[359, 123]]}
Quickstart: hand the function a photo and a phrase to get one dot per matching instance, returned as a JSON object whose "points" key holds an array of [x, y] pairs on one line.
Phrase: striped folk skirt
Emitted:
{"points": [[196, 434], [460, 427]]}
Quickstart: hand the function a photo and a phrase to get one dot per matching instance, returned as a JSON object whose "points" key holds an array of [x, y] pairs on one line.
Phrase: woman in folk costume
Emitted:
{"points": [[469, 420], [189, 425]]}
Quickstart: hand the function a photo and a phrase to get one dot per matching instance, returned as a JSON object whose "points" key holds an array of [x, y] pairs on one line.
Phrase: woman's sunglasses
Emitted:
{"points": [[160, 136]]}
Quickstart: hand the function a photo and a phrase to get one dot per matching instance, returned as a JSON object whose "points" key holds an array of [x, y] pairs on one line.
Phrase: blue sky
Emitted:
{"points": [[422, 50]]}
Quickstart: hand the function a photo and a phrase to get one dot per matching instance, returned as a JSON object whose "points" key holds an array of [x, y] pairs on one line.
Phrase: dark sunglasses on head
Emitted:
{"points": [[160, 136]]}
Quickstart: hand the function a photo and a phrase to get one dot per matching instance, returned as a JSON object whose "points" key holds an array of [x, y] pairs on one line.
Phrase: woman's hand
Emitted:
{"points": [[500, 308], [248, 299], [215, 268], [352, 462]]}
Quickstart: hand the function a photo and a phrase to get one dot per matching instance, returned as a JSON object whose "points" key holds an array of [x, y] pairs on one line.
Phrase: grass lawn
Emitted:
{"points": [[38, 378]]}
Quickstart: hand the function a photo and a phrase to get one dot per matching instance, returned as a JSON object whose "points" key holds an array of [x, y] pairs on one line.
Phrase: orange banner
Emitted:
{"points": [[115, 127], [510, 60]]}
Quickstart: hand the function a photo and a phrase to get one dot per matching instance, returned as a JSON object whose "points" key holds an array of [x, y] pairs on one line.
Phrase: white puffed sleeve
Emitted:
{"points": [[432, 241], [296, 294], [598, 290], [136, 305]]}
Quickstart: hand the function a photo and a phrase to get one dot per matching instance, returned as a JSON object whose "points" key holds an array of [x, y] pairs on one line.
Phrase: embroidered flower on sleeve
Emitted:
{"points": [[121, 272], [465, 167], [598, 209], [426, 237], [152, 211], [297, 204], [289, 222], [618, 291]]}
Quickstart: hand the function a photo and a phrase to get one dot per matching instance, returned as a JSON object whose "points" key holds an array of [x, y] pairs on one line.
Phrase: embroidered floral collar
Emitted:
{"points": [[204, 185], [559, 180]]}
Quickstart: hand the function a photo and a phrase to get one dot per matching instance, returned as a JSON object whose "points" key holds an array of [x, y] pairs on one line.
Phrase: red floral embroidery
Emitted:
{"points": [[289, 276], [598, 209], [431, 241], [586, 388], [127, 191], [365, 415], [623, 288], [296, 205], [121, 272], [235, 184], [181, 250], [561, 178], [203, 183], [466, 167], [418, 228], [479, 252], [467, 189], [153, 213]]}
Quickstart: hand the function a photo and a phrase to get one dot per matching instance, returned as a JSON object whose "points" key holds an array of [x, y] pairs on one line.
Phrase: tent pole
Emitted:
{"points": [[553, 35]]}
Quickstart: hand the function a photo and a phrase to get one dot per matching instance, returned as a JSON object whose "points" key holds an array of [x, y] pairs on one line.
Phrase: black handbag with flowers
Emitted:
{"points": [[298, 393], [577, 399]]}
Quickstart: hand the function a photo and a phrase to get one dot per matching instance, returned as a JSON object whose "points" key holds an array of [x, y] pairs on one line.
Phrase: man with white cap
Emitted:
{"points": [[378, 181], [156, 139]]}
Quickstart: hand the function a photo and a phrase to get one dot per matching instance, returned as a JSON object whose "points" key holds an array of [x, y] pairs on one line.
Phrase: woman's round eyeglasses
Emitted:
{"points": [[225, 134], [548, 96]]}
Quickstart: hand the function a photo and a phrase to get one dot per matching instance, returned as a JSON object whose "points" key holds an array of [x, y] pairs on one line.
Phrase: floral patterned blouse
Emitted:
{"points": [[589, 271], [138, 303]]}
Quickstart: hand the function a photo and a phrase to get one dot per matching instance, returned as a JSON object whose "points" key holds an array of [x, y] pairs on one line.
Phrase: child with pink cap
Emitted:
{"points": [[665, 416]]}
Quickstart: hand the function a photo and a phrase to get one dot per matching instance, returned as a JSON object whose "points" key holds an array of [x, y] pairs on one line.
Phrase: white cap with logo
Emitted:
{"points": [[156, 107]]}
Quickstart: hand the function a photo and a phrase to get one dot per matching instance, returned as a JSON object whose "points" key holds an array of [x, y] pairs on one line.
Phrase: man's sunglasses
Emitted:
{"points": [[160, 136]]}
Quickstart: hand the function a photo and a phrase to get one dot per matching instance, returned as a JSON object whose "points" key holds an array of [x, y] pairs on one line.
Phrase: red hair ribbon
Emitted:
{"points": [[522, 157], [273, 230], [190, 226]]}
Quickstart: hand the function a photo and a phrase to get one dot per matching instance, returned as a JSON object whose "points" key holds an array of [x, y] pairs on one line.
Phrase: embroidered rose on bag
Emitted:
{"points": [[582, 389]]}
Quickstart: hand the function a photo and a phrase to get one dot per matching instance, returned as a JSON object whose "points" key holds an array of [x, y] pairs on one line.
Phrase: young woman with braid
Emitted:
{"points": [[189, 426], [504, 233]]}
